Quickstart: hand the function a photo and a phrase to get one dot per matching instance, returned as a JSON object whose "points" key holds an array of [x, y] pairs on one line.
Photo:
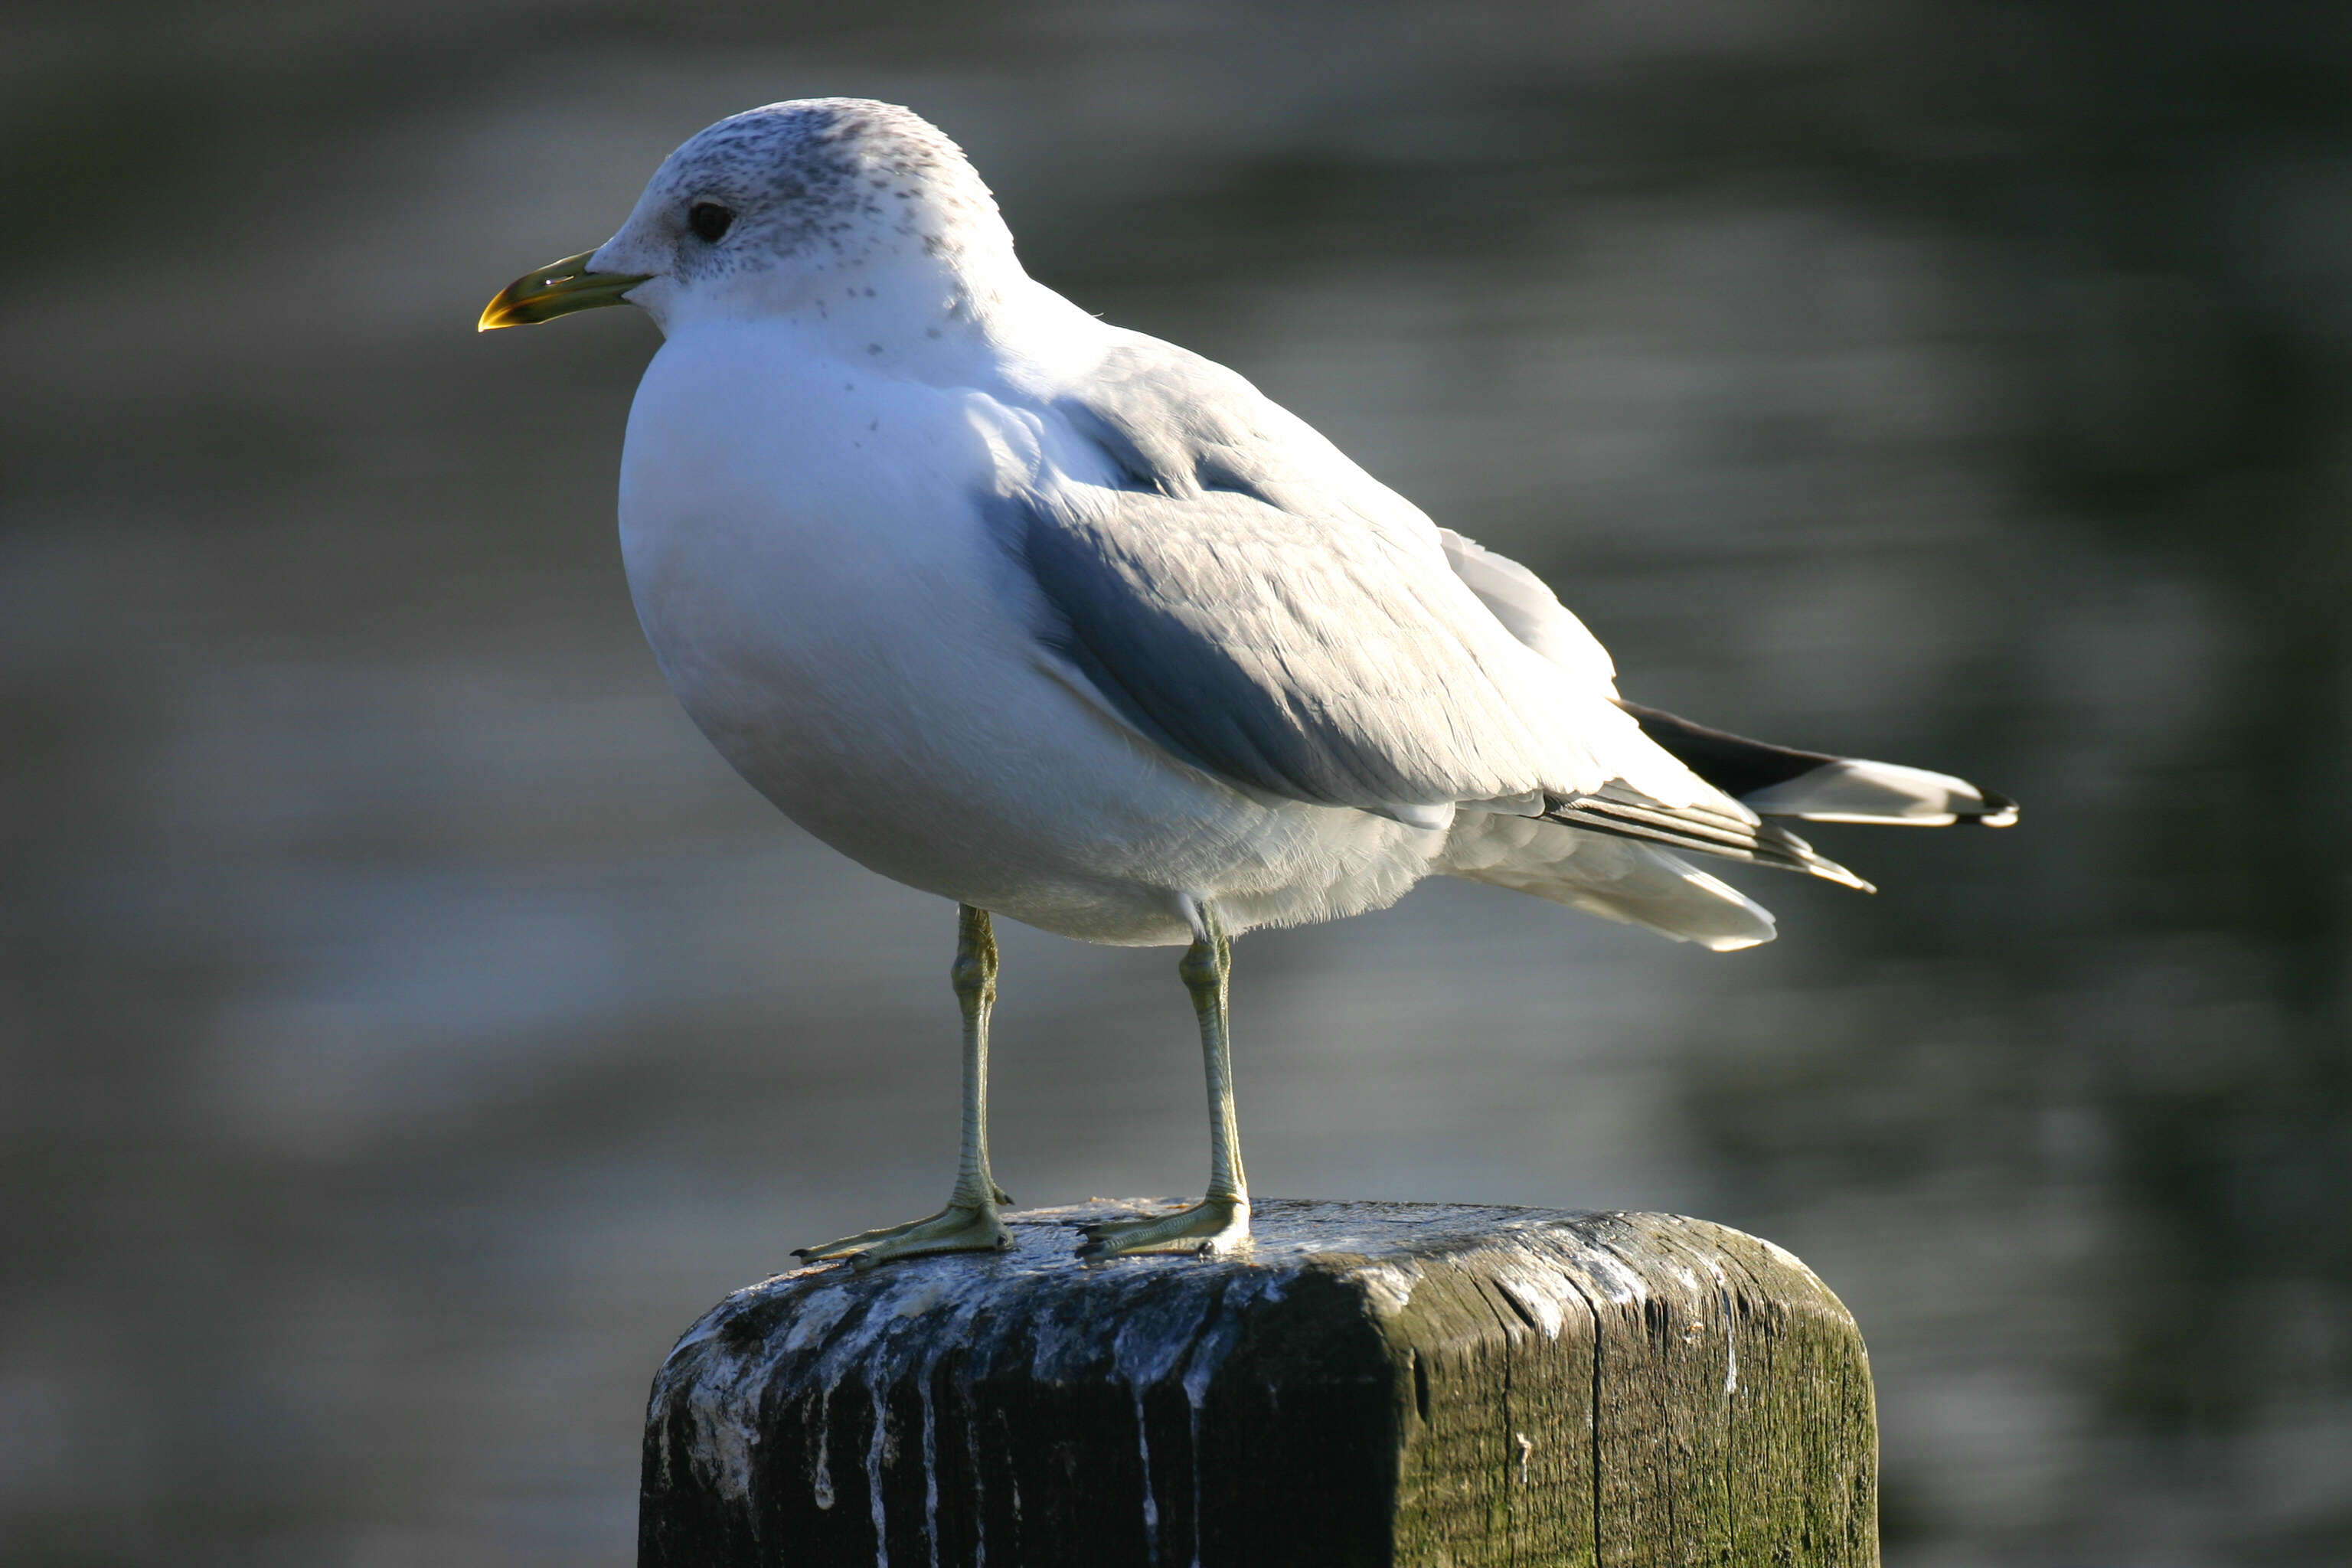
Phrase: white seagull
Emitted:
{"points": [[1067, 624]]}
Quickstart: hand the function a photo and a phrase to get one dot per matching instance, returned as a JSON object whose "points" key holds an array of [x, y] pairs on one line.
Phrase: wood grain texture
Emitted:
{"points": [[1373, 1384]]}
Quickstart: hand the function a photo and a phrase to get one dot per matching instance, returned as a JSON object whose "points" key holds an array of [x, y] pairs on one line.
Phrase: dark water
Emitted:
{"points": [[406, 1026]]}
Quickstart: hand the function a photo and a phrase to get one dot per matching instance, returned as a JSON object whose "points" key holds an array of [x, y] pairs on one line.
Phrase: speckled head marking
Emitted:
{"points": [[814, 186]]}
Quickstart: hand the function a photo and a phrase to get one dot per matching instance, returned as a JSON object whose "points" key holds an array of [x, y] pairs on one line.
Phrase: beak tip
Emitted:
{"points": [[502, 311], [556, 289]]}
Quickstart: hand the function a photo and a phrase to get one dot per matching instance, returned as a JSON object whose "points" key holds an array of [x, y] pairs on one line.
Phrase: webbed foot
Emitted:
{"points": [[959, 1227], [1212, 1226]]}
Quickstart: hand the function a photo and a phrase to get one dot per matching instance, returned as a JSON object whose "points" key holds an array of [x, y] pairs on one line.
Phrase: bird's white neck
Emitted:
{"points": [[974, 318]]}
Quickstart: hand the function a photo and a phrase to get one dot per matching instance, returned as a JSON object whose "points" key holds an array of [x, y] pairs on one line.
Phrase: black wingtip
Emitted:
{"points": [[1999, 811]]}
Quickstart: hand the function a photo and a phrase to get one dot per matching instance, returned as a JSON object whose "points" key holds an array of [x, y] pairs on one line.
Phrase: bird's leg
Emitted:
{"points": [[1219, 1222], [970, 1223]]}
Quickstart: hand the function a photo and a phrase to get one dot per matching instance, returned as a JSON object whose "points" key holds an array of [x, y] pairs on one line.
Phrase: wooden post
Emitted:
{"points": [[1374, 1383]]}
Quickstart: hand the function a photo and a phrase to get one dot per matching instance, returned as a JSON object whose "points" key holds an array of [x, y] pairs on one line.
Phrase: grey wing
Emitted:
{"points": [[1250, 643], [1245, 596], [1528, 609]]}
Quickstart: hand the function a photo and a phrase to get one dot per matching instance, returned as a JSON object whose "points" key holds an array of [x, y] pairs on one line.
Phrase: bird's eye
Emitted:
{"points": [[709, 221]]}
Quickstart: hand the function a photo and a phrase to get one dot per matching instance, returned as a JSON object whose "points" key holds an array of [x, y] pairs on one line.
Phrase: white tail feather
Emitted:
{"points": [[1616, 878]]}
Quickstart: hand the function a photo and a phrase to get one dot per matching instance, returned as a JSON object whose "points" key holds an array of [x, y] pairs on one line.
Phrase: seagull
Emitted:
{"points": [[1071, 625]]}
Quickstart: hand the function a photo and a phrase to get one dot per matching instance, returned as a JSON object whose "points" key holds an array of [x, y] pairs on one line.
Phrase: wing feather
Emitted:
{"points": [[1256, 603]]}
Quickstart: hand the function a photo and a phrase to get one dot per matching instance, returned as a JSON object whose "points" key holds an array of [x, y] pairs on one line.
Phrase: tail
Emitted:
{"points": [[1613, 877], [1774, 780], [1780, 781], [1622, 864]]}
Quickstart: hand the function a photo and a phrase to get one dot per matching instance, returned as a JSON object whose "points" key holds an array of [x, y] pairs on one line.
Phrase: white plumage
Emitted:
{"points": [[1068, 623]]}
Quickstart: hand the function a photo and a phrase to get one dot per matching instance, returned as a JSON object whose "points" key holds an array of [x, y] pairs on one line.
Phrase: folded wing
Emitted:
{"points": [[1245, 596]]}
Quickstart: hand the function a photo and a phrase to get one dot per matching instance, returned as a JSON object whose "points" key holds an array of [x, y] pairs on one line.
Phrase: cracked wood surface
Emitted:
{"points": [[1374, 1383]]}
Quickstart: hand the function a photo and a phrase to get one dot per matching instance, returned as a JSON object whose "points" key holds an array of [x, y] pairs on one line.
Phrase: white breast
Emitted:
{"points": [[827, 598]]}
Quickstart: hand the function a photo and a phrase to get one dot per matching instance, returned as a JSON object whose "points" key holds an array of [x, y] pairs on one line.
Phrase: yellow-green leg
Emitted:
{"points": [[1219, 1222], [970, 1223]]}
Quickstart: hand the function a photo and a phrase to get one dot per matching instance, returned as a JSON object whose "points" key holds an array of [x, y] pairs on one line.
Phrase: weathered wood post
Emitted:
{"points": [[1376, 1383]]}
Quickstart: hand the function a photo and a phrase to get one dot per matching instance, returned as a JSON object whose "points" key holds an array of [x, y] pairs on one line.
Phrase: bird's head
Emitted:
{"points": [[807, 205]]}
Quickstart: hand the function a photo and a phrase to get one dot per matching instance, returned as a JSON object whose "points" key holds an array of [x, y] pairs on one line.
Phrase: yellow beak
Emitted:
{"points": [[556, 289]]}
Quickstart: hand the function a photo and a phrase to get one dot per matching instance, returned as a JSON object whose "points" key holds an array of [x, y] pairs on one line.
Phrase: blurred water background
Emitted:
{"points": [[407, 1025]]}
